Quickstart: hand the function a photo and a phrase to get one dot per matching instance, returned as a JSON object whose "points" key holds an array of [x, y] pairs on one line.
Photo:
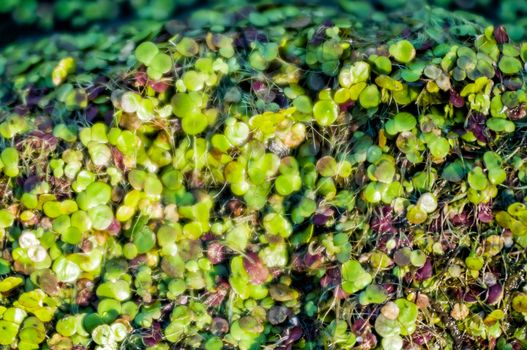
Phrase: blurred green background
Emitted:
{"points": [[20, 18]]}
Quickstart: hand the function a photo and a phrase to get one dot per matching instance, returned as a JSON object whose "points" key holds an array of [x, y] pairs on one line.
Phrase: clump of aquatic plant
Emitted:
{"points": [[265, 177]]}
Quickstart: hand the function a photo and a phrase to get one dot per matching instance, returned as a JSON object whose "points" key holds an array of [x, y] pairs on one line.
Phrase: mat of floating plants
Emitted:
{"points": [[265, 178]]}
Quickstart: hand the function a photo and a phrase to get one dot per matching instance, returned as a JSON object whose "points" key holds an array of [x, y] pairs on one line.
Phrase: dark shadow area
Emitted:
{"points": [[29, 18]]}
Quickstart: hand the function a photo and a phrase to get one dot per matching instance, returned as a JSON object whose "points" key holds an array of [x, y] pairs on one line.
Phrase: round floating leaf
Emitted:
{"points": [[194, 81], [72, 235], [9, 283], [32, 332], [384, 171], [439, 147], [67, 326], [416, 215], [474, 263], [418, 258], [120, 331], [477, 179], [237, 133], [358, 72], [160, 64], [144, 239], [52, 209], [427, 202], [492, 159], [373, 294], [66, 270], [519, 302], [325, 112], [510, 65], [303, 104], [145, 52], [100, 154], [392, 342], [411, 76], [118, 290], [496, 176], [6, 218], [386, 327], [327, 166], [187, 47], [103, 335], [403, 51], [8, 332], [432, 71], [382, 64], [402, 256], [454, 172], [101, 217], [501, 125], [10, 158], [214, 343], [370, 97], [388, 83], [130, 102], [407, 315], [263, 167], [287, 184], [194, 124], [281, 292], [97, 193], [185, 105], [401, 122], [354, 277], [373, 192], [153, 186], [276, 224]]}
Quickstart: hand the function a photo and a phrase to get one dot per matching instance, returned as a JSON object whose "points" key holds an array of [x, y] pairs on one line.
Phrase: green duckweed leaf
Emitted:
{"points": [[9, 283], [388, 83], [403, 51], [407, 315], [325, 112], [454, 172], [477, 179], [401, 122], [118, 290], [66, 270], [519, 302], [146, 52], [386, 327], [8, 332], [356, 73], [370, 97], [439, 147], [416, 215], [6, 218], [373, 294], [501, 125], [510, 65], [327, 166], [287, 184], [354, 277], [194, 124], [101, 217], [187, 47], [160, 64], [144, 239]]}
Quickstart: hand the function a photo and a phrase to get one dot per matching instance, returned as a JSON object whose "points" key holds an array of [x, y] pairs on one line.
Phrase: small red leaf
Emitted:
{"points": [[257, 271]]}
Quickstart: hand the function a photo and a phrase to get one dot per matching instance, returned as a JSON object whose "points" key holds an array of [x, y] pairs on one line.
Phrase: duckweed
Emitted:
{"points": [[267, 176]]}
